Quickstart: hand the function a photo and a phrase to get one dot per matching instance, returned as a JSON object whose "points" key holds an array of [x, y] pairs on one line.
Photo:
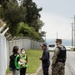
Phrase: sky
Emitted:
{"points": [[57, 16]]}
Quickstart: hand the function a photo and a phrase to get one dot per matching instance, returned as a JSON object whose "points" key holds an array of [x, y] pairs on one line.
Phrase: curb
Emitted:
{"points": [[37, 72], [39, 69]]}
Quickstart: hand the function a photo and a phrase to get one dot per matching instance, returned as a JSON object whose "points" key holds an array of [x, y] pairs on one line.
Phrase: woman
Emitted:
{"points": [[23, 62], [14, 59]]}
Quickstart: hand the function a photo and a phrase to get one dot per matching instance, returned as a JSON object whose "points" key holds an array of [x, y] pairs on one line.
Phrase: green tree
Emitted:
{"points": [[25, 30], [23, 18], [37, 24], [13, 15], [32, 15], [2, 1]]}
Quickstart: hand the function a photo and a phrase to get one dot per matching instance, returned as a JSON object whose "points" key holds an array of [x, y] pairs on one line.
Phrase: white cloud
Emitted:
{"points": [[56, 24]]}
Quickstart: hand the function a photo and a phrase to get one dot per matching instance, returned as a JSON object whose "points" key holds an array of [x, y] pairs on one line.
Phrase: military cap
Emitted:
{"points": [[58, 40]]}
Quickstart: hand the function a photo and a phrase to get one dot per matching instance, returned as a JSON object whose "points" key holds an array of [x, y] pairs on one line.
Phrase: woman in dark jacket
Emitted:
{"points": [[14, 59]]}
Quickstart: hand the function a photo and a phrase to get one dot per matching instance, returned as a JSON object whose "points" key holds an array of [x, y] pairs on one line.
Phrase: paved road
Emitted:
{"points": [[70, 64]]}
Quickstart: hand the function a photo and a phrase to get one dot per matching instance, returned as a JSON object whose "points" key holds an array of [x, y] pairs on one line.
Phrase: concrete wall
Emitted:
{"points": [[3, 55], [23, 43]]}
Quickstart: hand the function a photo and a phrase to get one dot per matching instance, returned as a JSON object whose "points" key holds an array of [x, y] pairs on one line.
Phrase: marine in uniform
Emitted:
{"points": [[59, 59]]}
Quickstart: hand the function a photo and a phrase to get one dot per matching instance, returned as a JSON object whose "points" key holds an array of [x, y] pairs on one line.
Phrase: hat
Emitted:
{"points": [[44, 45], [59, 40]]}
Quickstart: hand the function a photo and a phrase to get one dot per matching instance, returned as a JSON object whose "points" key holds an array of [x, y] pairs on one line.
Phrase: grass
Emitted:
{"points": [[33, 61], [8, 71]]}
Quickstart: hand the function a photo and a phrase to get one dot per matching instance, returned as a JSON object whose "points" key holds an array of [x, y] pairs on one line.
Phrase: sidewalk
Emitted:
{"points": [[40, 71]]}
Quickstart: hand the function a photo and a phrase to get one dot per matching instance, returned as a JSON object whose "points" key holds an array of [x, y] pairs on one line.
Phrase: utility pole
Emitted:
{"points": [[72, 34], [45, 37], [57, 35]]}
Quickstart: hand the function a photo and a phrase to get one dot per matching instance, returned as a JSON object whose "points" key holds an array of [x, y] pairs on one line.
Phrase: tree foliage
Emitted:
{"points": [[33, 15], [23, 18], [13, 15], [25, 30]]}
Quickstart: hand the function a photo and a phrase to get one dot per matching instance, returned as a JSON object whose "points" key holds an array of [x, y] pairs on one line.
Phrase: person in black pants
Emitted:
{"points": [[23, 62], [45, 59], [22, 71]]}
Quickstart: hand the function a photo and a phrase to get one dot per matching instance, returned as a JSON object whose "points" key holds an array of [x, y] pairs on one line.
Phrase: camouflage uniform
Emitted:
{"points": [[58, 68]]}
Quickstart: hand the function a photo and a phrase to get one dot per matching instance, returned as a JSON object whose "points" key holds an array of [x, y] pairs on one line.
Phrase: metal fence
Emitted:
{"points": [[22, 43], [7, 46]]}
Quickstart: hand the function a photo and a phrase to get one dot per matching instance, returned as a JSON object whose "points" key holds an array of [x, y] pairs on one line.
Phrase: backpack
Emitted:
{"points": [[12, 62]]}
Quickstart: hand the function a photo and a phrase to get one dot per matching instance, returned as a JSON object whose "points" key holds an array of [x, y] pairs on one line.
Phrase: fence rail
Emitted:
{"points": [[7, 46]]}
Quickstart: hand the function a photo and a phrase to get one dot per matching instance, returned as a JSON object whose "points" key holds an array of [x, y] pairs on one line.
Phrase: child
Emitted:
{"points": [[23, 62]]}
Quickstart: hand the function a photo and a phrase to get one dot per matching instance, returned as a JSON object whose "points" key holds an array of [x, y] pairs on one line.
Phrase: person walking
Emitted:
{"points": [[14, 59], [59, 59], [23, 62], [45, 59]]}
